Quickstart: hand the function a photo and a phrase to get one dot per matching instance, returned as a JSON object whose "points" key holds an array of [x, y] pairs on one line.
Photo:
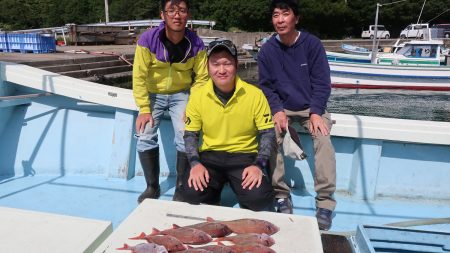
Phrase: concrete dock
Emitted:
{"points": [[68, 53]]}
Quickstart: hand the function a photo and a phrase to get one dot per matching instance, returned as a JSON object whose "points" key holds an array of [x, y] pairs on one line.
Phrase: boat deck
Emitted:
{"points": [[98, 197]]}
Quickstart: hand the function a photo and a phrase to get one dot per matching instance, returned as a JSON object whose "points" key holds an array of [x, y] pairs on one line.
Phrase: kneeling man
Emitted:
{"points": [[234, 121]]}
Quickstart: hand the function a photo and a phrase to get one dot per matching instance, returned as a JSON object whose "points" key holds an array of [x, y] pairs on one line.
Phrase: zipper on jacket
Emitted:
{"points": [[189, 49], [166, 52], [169, 76]]}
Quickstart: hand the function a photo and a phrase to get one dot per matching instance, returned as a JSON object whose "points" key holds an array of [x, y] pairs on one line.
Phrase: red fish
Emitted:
{"points": [[169, 242], [263, 239], [245, 226], [185, 235], [144, 248], [251, 248], [218, 248], [195, 251], [214, 229]]}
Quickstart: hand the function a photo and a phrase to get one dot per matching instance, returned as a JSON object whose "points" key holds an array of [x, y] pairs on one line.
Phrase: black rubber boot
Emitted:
{"points": [[182, 166], [150, 165]]}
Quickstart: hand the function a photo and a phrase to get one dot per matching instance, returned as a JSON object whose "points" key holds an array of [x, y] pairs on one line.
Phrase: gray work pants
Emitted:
{"points": [[324, 162]]}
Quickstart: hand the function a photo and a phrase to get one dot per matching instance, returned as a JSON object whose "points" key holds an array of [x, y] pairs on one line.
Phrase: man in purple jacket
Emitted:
{"points": [[295, 77]]}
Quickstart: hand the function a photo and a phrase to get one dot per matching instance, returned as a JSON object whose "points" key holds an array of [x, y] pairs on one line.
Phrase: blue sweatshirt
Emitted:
{"points": [[296, 77]]}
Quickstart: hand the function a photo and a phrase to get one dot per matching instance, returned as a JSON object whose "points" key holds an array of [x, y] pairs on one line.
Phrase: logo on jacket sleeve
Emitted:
{"points": [[267, 118]]}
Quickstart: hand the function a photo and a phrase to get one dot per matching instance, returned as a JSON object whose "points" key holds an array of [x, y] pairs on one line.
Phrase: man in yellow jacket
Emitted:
{"points": [[166, 60]]}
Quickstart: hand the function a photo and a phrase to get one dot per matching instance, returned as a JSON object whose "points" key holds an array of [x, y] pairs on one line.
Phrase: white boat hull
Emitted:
{"points": [[353, 75]]}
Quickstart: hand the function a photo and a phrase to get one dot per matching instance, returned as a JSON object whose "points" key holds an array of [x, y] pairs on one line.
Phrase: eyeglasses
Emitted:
{"points": [[226, 43], [172, 12]]}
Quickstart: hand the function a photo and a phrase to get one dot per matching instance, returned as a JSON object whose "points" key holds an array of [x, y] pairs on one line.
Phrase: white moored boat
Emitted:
{"points": [[418, 65], [376, 76]]}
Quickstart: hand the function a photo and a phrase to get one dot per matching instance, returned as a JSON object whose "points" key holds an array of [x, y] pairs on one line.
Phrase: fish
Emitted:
{"points": [[144, 248], [251, 248], [169, 242], [214, 229], [195, 250], [245, 226], [218, 248], [263, 239], [185, 235]]}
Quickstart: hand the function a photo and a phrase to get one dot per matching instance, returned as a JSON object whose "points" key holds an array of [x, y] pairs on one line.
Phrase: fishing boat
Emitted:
{"points": [[68, 153], [353, 57], [208, 39], [377, 76], [416, 65], [252, 50], [346, 57], [352, 49], [393, 55]]}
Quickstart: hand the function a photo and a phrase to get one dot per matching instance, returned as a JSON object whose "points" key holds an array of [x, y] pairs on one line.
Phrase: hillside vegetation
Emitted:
{"points": [[329, 19]]}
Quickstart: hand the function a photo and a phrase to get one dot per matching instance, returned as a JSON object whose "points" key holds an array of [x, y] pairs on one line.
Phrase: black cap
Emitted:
{"points": [[226, 44]]}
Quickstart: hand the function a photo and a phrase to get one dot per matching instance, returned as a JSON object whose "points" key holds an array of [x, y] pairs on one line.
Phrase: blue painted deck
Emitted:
{"points": [[113, 200]]}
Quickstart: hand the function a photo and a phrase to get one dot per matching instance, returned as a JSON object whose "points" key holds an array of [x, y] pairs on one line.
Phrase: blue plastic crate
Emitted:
{"points": [[14, 42], [3, 43], [49, 43], [31, 43]]}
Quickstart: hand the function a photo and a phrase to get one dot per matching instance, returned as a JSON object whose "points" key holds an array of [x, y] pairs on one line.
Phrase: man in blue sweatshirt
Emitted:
{"points": [[295, 77]]}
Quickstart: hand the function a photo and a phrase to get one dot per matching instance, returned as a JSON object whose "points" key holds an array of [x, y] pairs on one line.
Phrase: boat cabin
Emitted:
{"points": [[415, 53]]}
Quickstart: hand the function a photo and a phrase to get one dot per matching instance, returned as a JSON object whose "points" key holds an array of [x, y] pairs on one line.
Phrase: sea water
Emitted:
{"points": [[400, 104]]}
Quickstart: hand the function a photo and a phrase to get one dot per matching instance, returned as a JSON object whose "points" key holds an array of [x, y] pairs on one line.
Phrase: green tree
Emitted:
{"points": [[16, 14], [121, 10], [328, 19]]}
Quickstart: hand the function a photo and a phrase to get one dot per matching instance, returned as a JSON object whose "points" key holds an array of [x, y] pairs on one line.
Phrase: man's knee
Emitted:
{"points": [[257, 199], [323, 140], [191, 196], [261, 203]]}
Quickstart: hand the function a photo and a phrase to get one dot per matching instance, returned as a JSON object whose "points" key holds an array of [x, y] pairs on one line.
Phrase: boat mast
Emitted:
{"points": [[374, 44], [375, 35], [106, 11], [418, 19]]}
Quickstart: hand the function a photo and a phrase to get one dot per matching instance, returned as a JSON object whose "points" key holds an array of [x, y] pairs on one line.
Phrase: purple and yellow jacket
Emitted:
{"points": [[153, 72]]}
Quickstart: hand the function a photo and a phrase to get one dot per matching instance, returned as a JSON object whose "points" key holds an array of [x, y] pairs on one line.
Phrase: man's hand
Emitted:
{"points": [[142, 120], [317, 124], [280, 120], [251, 177], [199, 177]]}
